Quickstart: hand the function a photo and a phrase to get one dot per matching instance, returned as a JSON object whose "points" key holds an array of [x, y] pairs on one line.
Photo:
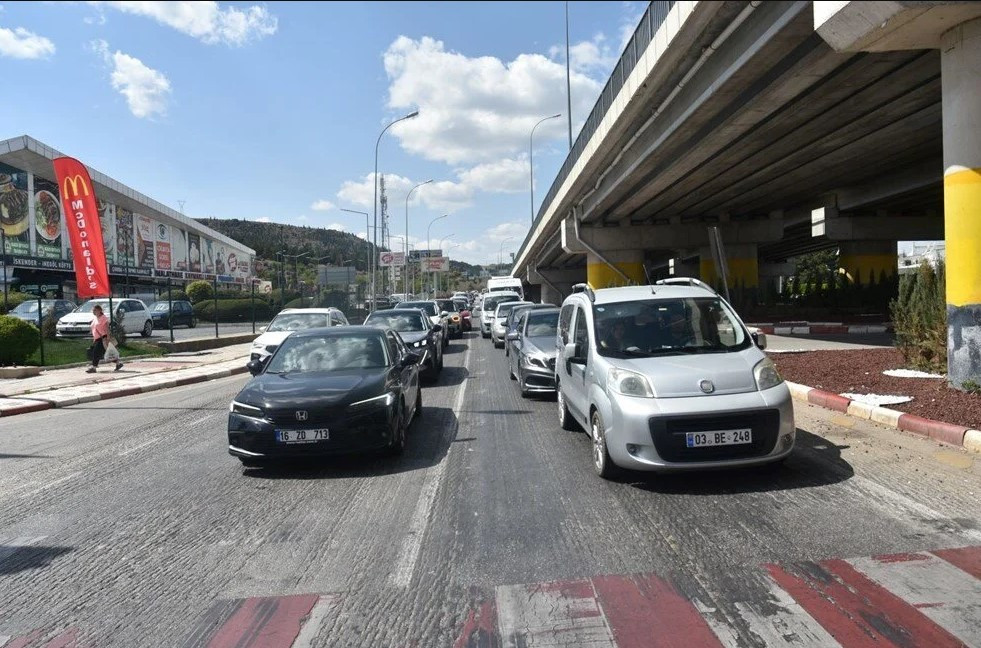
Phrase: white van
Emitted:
{"points": [[510, 284]]}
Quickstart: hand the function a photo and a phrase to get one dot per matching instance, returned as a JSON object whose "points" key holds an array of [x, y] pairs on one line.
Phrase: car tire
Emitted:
{"points": [[419, 409], [511, 371], [507, 350], [566, 422], [252, 462], [602, 463], [398, 443], [147, 329], [192, 323]]}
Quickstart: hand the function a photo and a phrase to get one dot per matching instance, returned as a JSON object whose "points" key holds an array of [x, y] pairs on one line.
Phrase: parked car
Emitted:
{"points": [[498, 324], [532, 362], [182, 314], [133, 312], [325, 392], [453, 319], [289, 320], [667, 377], [56, 308], [511, 323], [488, 307], [435, 315], [417, 332]]}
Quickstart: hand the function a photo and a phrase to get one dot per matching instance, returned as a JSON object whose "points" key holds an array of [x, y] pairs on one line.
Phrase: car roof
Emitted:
{"points": [[646, 293], [546, 310], [399, 311], [320, 311], [338, 331]]}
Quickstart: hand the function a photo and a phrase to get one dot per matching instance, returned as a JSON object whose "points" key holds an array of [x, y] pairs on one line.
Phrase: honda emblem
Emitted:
{"points": [[301, 415]]}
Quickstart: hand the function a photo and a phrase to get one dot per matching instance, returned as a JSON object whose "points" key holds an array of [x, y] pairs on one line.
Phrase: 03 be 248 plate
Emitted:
{"points": [[718, 438], [302, 436]]}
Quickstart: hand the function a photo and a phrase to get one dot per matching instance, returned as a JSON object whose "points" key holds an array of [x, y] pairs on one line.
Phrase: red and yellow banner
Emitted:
{"points": [[84, 229]]}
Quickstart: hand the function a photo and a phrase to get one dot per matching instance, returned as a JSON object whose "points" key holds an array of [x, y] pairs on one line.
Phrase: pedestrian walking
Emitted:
{"points": [[100, 340]]}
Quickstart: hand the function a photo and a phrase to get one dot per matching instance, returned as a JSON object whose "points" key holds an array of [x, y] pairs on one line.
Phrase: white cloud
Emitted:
{"points": [[340, 227], [146, 90], [507, 175], [20, 43], [477, 109], [593, 55], [503, 231], [206, 21], [263, 219], [444, 195], [322, 205]]}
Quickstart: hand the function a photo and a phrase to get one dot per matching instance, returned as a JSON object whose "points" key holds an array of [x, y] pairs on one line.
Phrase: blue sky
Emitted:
{"points": [[271, 111]]}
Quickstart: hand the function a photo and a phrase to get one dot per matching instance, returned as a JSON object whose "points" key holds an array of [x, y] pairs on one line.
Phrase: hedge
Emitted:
{"points": [[233, 310], [18, 340]]}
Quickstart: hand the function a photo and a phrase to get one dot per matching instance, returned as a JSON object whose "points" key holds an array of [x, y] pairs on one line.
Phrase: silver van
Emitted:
{"points": [[667, 377]]}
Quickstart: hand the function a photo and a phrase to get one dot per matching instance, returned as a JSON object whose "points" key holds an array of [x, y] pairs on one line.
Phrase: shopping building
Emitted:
{"points": [[148, 245]]}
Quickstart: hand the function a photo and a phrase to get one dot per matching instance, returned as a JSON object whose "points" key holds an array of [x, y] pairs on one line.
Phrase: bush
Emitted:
{"points": [[199, 291], [233, 310], [175, 295], [18, 340], [49, 328], [15, 299], [919, 315]]}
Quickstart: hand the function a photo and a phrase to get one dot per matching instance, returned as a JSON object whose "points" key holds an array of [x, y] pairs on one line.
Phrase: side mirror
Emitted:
{"points": [[255, 367], [437, 327], [574, 353], [513, 335], [759, 339], [262, 329]]}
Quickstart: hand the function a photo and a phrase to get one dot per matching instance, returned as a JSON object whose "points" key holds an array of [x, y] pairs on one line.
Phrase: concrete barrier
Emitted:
{"points": [[200, 344]]}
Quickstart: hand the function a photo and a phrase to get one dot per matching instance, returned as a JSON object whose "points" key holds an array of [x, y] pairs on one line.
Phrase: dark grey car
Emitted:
{"points": [[56, 308], [532, 358]]}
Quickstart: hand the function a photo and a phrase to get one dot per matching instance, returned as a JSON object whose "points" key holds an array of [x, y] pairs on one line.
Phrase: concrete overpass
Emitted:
{"points": [[791, 126]]}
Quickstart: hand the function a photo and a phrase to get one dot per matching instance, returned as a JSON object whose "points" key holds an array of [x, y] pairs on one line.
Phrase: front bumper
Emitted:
{"points": [[74, 331], [498, 331], [256, 438], [536, 379], [655, 430]]}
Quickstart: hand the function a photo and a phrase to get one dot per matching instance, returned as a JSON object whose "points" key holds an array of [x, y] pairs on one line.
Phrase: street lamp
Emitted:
{"points": [[407, 221], [500, 252], [429, 247], [367, 240], [531, 160], [411, 115], [435, 275]]}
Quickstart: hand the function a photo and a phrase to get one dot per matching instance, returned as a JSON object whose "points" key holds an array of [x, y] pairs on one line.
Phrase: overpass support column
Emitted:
{"points": [[742, 264], [866, 262], [550, 296], [630, 263], [960, 56]]}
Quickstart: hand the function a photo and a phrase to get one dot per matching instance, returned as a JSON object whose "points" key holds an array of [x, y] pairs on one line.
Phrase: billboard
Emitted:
{"points": [[178, 250], [107, 216], [336, 275], [14, 202], [435, 264], [125, 253], [144, 242], [389, 259], [208, 256], [163, 247], [49, 221], [194, 252]]}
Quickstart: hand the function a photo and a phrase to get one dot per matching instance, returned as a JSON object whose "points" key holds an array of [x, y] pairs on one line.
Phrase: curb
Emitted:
{"points": [[819, 328], [37, 403], [955, 435]]}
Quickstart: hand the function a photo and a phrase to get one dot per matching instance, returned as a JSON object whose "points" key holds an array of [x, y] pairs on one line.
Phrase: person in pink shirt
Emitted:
{"points": [[100, 339]]}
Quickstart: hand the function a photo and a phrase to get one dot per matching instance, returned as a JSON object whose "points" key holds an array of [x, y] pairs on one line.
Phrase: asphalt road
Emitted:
{"points": [[125, 523]]}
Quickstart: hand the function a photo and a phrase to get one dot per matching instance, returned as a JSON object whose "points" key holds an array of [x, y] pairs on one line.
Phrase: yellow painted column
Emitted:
{"points": [[630, 262], [960, 57], [865, 262], [742, 265]]}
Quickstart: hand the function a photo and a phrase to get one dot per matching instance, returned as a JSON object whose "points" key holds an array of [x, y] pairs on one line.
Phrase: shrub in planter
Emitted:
{"points": [[199, 291], [18, 340], [15, 299], [919, 316]]}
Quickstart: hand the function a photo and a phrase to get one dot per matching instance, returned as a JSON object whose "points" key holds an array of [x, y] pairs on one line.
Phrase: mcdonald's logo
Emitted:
{"points": [[75, 181]]}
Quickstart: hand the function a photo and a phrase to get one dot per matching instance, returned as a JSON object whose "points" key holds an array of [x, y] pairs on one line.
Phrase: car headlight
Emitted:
{"points": [[766, 374], [246, 410], [420, 343], [629, 383], [384, 400]]}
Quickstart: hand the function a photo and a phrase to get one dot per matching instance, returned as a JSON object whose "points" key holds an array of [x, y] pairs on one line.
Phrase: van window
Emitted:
{"points": [[565, 321], [581, 332]]}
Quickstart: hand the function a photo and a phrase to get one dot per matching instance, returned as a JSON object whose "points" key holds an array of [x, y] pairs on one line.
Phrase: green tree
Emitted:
{"points": [[198, 291]]}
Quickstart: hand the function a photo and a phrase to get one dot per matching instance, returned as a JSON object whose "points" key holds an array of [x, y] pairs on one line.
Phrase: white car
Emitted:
{"points": [[289, 320], [136, 318]]}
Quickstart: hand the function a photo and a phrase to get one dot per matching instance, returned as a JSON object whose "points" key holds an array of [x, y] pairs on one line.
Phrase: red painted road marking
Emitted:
{"points": [[67, 639], [646, 612], [966, 558], [858, 612], [266, 622], [900, 557], [26, 640], [563, 613], [480, 628]]}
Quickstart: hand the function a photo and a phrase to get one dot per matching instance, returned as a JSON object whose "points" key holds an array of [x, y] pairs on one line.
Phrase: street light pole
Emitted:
{"points": [[568, 74], [412, 114], [531, 160], [429, 247], [367, 240], [435, 275], [500, 252], [407, 223]]}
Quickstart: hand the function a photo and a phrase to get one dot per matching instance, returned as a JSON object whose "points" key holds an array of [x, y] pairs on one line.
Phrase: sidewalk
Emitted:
{"points": [[65, 387]]}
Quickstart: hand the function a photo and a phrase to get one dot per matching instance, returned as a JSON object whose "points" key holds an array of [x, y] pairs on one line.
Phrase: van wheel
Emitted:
{"points": [[602, 463], [566, 422]]}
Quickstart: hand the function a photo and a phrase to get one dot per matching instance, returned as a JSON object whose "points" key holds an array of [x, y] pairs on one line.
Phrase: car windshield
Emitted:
{"points": [[667, 327], [447, 305], [542, 324], [308, 353], [505, 309], [28, 307], [429, 307], [158, 307], [401, 322], [491, 303], [88, 306], [459, 305], [298, 321]]}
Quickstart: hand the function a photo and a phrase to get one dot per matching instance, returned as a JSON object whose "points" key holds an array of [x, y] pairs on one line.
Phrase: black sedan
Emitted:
{"points": [[533, 350], [417, 332], [182, 314], [324, 392]]}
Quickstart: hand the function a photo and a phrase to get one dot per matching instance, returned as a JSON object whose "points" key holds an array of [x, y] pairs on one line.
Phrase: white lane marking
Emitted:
{"points": [[778, 621], [138, 447], [52, 484], [544, 615], [409, 552], [900, 506], [3, 640], [325, 606], [202, 419], [949, 597]]}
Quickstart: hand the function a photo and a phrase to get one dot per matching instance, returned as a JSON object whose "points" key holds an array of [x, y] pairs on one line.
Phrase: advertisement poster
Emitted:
{"points": [[144, 241], [194, 252], [221, 256], [209, 256], [124, 237], [48, 219], [163, 247], [107, 212], [236, 266], [13, 210], [179, 249]]}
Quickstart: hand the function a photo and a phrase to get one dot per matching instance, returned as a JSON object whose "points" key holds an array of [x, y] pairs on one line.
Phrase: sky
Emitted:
{"points": [[271, 111]]}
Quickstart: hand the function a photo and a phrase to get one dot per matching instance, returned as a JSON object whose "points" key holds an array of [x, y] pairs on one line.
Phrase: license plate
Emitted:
{"points": [[302, 436], [718, 438]]}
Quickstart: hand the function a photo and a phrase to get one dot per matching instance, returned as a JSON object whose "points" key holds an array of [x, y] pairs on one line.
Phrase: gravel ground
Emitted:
{"points": [[860, 372]]}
